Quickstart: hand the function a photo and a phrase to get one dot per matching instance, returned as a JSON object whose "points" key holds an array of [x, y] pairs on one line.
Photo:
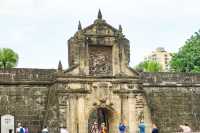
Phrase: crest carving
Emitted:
{"points": [[100, 60]]}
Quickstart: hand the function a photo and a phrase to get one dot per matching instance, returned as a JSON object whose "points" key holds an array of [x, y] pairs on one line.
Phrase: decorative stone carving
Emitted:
{"points": [[139, 108], [103, 91], [63, 100], [100, 60]]}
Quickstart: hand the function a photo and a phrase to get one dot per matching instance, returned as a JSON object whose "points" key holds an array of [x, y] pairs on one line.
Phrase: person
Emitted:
{"points": [[63, 130], [20, 129], [141, 126], [122, 128], [26, 130], [103, 128], [94, 128], [45, 129], [185, 128], [155, 129]]}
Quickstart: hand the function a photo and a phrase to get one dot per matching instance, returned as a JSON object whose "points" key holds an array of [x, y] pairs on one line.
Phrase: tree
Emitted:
{"points": [[149, 66], [188, 57], [8, 58]]}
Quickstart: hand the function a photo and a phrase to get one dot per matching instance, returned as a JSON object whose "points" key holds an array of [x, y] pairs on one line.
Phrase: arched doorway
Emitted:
{"points": [[99, 116]]}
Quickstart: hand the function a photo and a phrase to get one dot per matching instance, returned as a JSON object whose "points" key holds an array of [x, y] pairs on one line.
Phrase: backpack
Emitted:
{"points": [[21, 130]]}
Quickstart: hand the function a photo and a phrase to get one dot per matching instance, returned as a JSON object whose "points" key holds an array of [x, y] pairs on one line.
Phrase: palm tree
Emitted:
{"points": [[8, 58]]}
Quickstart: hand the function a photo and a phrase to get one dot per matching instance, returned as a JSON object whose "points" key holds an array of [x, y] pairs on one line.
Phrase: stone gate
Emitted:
{"points": [[100, 87], [99, 78]]}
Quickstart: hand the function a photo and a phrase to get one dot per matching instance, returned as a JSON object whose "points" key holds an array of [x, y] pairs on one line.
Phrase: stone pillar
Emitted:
{"points": [[115, 59], [72, 115], [83, 57], [132, 114], [125, 110], [63, 110], [147, 117], [82, 122], [68, 114]]}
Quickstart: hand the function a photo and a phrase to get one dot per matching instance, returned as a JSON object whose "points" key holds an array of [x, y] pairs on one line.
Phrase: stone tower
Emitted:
{"points": [[99, 50], [99, 86]]}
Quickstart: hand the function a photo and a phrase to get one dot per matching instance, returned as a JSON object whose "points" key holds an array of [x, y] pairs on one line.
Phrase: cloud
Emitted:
{"points": [[137, 8]]}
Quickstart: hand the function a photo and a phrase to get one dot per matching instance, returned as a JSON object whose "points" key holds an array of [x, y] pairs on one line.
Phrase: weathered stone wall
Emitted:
{"points": [[24, 94], [173, 99], [33, 97], [17, 75]]}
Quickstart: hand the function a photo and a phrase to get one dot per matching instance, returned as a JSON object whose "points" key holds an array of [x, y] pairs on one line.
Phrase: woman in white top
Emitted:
{"points": [[45, 129], [185, 128], [63, 130]]}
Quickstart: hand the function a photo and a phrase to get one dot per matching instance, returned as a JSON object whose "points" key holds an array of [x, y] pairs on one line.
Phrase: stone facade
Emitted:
{"points": [[99, 80], [99, 86]]}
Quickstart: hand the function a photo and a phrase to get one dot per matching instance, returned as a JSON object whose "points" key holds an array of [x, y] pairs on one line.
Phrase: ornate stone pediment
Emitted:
{"points": [[99, 50], [100, 28]]}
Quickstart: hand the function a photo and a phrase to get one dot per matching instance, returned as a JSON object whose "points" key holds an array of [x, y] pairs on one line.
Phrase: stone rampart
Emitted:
{"points": [[24, 94], [170, 78], [25, 74], [173, 99]]}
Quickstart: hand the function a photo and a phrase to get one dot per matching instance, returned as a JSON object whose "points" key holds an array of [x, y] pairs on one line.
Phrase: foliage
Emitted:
{"points": [[188, 57], [149, 66], [8, 58]]}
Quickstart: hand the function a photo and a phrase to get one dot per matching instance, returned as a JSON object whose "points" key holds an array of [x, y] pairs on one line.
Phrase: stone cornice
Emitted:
{"points": [[26, 82], [92, 79], [170, 85], [82, 91], [127, 91]]}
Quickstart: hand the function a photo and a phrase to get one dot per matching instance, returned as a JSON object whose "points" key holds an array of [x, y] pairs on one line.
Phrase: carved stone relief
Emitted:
{"points": [[139, 108], [100, 60]]}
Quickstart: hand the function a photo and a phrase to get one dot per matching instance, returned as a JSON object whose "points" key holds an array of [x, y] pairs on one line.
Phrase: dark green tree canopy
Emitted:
{"points": [[149, 66], [8, 58], [188, 57]]}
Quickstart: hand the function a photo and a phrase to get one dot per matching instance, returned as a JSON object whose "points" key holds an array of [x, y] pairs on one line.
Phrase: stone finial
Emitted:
{"points": [[60, 66], [99, 14], [120, 28], [79, 25]]}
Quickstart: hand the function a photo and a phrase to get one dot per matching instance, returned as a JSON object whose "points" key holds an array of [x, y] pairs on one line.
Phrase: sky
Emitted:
{"points": [[38, 30]]}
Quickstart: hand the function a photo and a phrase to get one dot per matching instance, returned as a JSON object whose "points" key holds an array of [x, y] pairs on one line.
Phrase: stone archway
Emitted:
{"points": [[101, 115]]}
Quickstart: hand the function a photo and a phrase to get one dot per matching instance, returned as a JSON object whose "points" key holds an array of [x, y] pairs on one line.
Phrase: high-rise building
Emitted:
{"points": [[161, 56]]}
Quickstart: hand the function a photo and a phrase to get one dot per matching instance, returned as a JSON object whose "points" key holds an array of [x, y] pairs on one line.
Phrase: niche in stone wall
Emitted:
{"points": [[100, 60]]}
